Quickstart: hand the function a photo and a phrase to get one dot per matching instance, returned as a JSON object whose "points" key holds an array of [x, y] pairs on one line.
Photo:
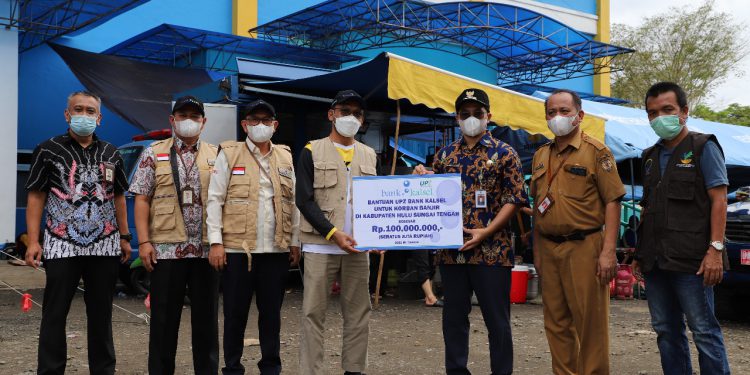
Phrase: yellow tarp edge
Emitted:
{"points": [[436, 88]]}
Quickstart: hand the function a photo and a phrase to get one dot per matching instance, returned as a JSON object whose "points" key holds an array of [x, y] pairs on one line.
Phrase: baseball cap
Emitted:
{"points": [[257, 104], [347, 95], [187, 101], [473, 95]]}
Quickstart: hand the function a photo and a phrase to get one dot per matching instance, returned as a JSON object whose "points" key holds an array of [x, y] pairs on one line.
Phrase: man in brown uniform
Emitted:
{"points": [[576, 190]]}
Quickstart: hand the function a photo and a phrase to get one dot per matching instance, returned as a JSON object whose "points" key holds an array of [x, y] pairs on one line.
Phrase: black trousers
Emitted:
{"points": [[169, 281], [492, 287], [267, 281], [99, 277], [423, 264]]}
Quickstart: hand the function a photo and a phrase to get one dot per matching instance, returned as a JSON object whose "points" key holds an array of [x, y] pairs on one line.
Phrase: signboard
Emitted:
{"points": [[408, 212]]}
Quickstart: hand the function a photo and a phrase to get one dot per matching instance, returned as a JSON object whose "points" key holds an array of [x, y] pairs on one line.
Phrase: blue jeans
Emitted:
{"points": [[672, 297]]}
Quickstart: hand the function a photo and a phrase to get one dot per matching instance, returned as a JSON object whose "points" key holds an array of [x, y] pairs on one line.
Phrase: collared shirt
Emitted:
{"points": [[493, 166], [586, 180], [266, 227], [144, 183], [80, 206]]}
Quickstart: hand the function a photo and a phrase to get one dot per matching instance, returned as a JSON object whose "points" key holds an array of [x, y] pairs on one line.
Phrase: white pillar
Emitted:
{"points": [[9, 125]]}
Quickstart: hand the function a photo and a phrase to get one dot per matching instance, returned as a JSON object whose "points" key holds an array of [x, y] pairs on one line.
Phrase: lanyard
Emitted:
{"points": [[551, 177], [263, 170], [187, 169]]}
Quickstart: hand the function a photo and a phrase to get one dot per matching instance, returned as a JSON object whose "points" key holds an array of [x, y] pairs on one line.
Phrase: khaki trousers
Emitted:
{"points": [[576, 306], [320, 270]]}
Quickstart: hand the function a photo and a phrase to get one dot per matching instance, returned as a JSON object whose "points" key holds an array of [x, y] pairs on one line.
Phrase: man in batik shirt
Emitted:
{"points": [[80, 182], [492, 188], [171, 187]]}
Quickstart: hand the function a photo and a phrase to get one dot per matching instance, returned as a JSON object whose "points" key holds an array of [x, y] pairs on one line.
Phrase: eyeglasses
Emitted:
{"points": [[256, 121], [479, 114], [347, 112]]}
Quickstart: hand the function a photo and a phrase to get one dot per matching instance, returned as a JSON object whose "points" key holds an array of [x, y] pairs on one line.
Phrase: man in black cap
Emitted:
{"points": [[324, 174], [493, 191], [253, 229], [171, 187]]}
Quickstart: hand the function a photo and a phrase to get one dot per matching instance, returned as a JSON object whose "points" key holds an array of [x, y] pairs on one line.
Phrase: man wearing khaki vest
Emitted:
{"points": [[324, 175], [171, 187], [253, 227]]}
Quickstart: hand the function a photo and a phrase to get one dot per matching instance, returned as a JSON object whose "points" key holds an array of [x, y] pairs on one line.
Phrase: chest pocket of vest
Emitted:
{"points": [[164, 217], [287, 207], [239, 186], [681, 210], [366, 170], [287, 187], [325, 174], [163, 176], [234, 218]]}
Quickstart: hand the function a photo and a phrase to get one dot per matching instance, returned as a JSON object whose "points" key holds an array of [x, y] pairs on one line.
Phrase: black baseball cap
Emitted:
{"points": [[473, 95], [187, 101], [259, 104], [347, 95]]}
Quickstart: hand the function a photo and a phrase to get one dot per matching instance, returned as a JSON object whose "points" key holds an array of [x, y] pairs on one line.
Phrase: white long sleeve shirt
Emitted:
{"points": [[266, 223]]}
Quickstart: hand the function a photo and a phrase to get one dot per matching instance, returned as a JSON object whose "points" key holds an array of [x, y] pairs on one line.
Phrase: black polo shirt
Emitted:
{"points": [[80, 209]]}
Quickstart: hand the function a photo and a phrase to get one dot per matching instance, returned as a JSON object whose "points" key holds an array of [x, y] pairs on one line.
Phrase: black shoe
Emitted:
{"points": [[353, 373]]}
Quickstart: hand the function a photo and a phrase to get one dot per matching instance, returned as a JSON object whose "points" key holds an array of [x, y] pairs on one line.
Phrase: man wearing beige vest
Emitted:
{"points": [[171, 187], [324, 196], [253, 226]]}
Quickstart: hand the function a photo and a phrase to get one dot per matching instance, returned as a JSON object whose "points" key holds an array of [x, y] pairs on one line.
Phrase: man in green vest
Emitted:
{"points": [[171, 187], [681, 237], [324, 196], [253, 227]]}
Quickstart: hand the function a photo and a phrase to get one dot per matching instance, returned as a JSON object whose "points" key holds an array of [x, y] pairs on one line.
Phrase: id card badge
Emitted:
{"points": [[187, 197], [480, 198], [109, 172], [545, 205]]}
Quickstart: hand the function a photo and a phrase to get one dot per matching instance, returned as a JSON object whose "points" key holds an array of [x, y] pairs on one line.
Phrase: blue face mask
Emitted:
{"points": [[82, 125]]}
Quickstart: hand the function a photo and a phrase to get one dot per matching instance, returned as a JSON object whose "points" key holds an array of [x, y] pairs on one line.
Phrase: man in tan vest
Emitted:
{"points": [[253, 227], [324, 175], [171, 187]]}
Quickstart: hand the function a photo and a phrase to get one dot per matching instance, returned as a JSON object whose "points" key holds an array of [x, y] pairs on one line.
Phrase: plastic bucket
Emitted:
{"points": [[519, 284]]}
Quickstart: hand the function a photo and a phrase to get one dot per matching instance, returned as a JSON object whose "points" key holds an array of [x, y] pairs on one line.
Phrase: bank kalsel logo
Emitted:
{"points": [[686, 161]]}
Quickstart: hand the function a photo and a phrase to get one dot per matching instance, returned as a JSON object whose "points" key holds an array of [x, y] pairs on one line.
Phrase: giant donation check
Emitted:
{"points": [[407, 212]]}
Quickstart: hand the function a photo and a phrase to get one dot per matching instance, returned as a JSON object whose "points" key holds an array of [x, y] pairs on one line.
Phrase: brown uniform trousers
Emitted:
{"points": [[576, 305]]}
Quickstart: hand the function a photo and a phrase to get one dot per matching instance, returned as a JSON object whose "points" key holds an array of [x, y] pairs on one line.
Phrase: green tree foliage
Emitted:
{"points": [[734, 114], [696, 48]]}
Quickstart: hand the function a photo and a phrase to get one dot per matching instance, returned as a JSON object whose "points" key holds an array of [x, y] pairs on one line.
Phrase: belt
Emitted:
{"points": [[575, 236]]}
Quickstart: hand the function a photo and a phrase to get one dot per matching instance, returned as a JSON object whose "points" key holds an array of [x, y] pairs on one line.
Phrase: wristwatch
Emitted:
{"points": [[717, 245], [126, 236]]}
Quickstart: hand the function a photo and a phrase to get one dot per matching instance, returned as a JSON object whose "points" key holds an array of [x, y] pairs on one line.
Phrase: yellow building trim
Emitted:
{"points": [[244, 16], [601, 81]]}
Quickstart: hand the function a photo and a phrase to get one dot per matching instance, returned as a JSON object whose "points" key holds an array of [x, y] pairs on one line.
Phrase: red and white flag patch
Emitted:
{"points": [[238, 170], [162, 157]]}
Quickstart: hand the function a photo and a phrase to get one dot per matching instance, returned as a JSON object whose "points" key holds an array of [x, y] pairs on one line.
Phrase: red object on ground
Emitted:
{"points": [[147, 301], [336, 288], [519, 284], [26, 302], [624, 282]]}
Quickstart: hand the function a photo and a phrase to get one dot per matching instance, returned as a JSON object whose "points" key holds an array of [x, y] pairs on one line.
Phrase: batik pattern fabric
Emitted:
{"points": [[80, 211], [144, 183], [493, 166]]}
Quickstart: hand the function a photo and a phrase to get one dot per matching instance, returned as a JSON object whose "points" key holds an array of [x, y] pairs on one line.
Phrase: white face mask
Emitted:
{"points": [[347, 126], [188, 128], [472, 126], [260, 133], [562, 125]]}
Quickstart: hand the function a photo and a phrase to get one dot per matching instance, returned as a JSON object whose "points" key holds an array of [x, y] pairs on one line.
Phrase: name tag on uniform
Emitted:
{"points": [[187, 197], [238, 170], [109, 172], [544, 205], [211, 162], [162, 157], [480, 198]]}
